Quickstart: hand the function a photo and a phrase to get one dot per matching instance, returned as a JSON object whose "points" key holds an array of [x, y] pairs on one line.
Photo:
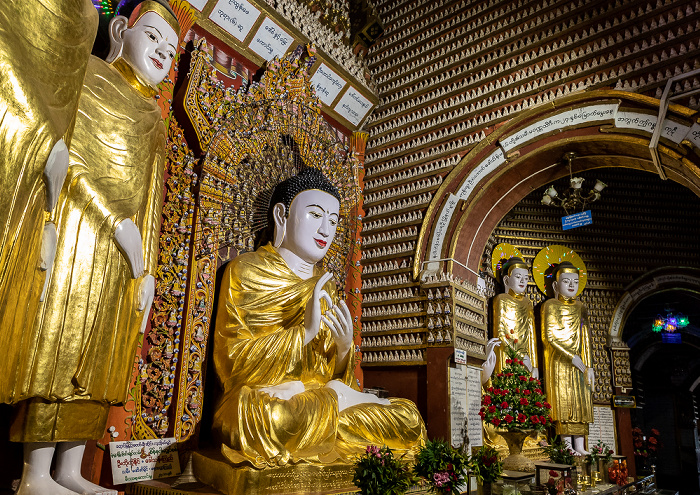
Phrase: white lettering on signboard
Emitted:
{"points": [[353, 106], [142, 460], [235, 16], [441, 226], [327, 84], [270, 40], [474, 429], [458, 403], [583, 115], [198, 4]]}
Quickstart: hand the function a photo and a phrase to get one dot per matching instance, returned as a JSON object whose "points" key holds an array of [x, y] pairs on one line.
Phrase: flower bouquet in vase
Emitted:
{"points": [[378, 472], [443, 466], [515, 404], [484, 464]]}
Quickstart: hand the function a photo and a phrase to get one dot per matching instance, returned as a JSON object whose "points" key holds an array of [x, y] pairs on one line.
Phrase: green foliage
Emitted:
{"points": [[599, 451], [484, 464], [558, 451], [443, 466], [378, 472], [515, 400]]}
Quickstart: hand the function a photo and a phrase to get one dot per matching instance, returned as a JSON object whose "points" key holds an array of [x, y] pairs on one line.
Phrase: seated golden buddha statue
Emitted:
{"points": [[283, 348]]}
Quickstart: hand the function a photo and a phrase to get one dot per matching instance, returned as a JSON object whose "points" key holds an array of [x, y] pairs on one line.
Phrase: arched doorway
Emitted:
{"points": [[665, 374], [606, 129]]}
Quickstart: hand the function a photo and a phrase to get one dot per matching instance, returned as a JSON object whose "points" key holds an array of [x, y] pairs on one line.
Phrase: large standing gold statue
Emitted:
{"points": [[513, 315], [283, 348], [44, 48], [78, 358], [568, 375], [513, 326]]}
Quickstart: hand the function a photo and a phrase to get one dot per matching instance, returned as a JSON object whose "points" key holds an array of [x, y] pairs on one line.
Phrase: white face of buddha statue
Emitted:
{"points": [[566, 285], [516, 282], [149, 47], [311, 224]]}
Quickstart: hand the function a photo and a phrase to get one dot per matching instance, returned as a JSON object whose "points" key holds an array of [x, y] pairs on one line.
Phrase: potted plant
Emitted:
{"points": [[378, 472], [443, 466], [516, 405], [558, 451], [645, 449], [484, 464], [599, 457]]}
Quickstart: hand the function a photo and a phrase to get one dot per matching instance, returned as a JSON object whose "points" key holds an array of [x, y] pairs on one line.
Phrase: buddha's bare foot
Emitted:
{"points": [[284, 391], [69, 457], [42, 486], [348, 397], [579, 445]]}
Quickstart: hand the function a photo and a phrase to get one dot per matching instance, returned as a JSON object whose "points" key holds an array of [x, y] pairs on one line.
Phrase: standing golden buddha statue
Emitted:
{"points": [[568, 373], [44, 49], [513, 326], [283, 352], [513, 315], [77, 360]]}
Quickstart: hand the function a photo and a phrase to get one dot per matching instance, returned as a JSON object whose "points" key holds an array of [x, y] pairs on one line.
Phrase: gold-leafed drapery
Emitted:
{"points": [[565, 334], [44, 49], [514, 324], [258, 342], [83, 343]]}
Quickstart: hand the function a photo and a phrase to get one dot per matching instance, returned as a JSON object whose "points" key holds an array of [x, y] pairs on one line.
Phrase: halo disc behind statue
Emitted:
{"points": [[551, 256], [502, 253]]}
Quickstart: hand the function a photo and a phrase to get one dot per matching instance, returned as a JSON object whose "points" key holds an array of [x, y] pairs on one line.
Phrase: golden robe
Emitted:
{"points": [[258, 342], [565, 334], [44, 49], [514, 319], [82, 348]]}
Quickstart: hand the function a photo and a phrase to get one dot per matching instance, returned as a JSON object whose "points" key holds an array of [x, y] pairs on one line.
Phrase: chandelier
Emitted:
{"points": [[573, 198], [670, 323]]}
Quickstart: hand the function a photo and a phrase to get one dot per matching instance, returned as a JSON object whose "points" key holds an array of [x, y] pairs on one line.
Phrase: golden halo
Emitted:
{"points": [[550, 256], [502, 253]]}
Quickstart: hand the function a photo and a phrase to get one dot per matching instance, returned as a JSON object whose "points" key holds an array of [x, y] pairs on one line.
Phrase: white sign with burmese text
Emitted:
{"points": [[271, 40], [327, 84], [235, 16], [142, 460], [353, 106]]}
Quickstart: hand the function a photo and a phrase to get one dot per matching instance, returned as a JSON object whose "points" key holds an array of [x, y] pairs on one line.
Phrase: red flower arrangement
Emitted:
{"points": [[515, 400]]}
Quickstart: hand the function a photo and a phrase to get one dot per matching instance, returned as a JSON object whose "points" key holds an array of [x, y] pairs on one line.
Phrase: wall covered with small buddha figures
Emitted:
{"points": [[449, 73], [641, 223]]}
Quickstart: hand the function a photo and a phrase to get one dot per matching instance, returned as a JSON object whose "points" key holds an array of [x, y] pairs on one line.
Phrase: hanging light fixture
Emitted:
{"points": [[670, 323], [573, 198]]}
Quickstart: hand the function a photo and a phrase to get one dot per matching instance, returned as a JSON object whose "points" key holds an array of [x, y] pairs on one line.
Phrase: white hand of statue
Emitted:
{"points": [[527, 362], [284, 391], [339, 321], [144, 298], [55, 173], [536, 374], [128, 239], [490, 363], [578, 363], [312, 317], [590, 377]]}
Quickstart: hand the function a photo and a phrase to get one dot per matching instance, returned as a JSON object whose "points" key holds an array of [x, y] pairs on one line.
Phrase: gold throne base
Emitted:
{"points": [[214, 470]]}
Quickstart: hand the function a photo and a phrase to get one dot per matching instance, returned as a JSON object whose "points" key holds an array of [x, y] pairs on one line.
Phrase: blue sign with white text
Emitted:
{"points": [[576, 220]]}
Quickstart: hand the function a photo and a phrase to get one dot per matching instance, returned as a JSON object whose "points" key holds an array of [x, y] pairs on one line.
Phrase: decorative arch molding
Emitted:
{"points": [[661, 279], [605, 128]]}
